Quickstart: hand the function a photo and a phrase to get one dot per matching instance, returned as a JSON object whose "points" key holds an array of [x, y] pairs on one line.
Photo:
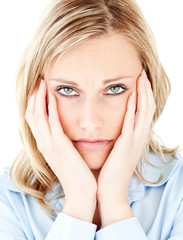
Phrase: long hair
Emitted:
{"points": [[63, 24]]}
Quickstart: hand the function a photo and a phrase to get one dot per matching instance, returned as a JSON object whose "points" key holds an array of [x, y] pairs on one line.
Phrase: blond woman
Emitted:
{"points": [[90, 88]]}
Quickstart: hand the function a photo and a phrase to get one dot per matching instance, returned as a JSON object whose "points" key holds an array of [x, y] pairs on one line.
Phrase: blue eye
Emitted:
{"points": [[66, 91], [116, 89]]}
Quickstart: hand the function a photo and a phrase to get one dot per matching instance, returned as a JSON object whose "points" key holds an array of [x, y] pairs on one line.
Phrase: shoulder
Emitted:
{"points": [[169, 170], [11, 193], [11, 198], [5, 182]]}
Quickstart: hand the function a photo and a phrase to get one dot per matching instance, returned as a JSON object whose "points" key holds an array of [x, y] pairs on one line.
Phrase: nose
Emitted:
{"points": [[91, 117]]}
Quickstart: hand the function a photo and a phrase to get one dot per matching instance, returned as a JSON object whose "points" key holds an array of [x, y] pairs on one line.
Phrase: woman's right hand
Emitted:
{"points": [[76, 178]]}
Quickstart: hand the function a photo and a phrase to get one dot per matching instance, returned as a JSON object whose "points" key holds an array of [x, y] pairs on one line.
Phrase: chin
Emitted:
{"points": [[94, 159], [95, 166]]}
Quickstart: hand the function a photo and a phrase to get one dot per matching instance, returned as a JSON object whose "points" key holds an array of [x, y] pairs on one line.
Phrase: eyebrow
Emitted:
{"points": [[75, 83]]}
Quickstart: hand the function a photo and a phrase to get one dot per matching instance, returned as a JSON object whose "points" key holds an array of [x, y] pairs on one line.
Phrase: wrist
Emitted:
{"points": [[112, 211], [81, 208], [121, 198]]}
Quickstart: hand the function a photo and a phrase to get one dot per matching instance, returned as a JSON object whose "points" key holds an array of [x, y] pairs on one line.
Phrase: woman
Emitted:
{"points": [[90, 88]]}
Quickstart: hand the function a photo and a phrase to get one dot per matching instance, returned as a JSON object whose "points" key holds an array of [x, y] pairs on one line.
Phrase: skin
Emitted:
{"points": [[94, 114], [102, 176]]}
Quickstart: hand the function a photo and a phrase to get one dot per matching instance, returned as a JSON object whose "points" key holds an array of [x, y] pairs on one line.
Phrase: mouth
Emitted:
{"points": [[92, 144]]}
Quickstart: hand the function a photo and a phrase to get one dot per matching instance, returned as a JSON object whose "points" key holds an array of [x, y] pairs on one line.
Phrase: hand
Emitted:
{"points": [[116, 173], [76, 178]]}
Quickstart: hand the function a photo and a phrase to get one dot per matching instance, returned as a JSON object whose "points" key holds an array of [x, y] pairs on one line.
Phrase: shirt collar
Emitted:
{"points": [[136, 188], [150, 173], [5, 181]]}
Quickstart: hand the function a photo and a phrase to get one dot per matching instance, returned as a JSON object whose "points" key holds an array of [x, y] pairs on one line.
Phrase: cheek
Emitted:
{"points": [[66, 116], [116, 118]]}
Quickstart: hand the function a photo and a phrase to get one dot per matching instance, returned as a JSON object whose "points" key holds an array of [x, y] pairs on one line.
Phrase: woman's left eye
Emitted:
{"points": [[116, 89], [68, 91]]}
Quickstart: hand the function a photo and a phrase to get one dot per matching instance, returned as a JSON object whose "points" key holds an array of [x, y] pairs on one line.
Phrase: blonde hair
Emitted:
{"points": [[64, 24]]}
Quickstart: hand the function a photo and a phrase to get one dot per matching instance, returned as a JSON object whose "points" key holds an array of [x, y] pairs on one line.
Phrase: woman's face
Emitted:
{"points": [[95, 108]]}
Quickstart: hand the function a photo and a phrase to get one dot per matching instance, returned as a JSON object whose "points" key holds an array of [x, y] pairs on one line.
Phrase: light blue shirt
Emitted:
{"points": [[158, 210]]}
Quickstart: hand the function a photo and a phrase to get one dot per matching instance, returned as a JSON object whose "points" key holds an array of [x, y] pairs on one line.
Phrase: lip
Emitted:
{"points": [[91, 140], [92, 144]]}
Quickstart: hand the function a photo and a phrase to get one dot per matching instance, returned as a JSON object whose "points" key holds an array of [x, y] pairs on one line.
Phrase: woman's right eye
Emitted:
{"points": [[64, 91]]}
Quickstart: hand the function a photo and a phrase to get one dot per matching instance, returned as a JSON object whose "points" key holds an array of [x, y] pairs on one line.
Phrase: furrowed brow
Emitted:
{"points": [[76, 84]]}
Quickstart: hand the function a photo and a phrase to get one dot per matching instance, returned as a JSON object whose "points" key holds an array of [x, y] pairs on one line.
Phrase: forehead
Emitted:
{"points": [[103, 56]]}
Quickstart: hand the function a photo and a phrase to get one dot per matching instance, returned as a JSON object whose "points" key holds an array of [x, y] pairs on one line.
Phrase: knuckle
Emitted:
{"points": [[28, 113], [145, 110], [51, 117], [40, 147], [46, 151], [148, 82], [37, 116], [154, 107], [28, 117]]}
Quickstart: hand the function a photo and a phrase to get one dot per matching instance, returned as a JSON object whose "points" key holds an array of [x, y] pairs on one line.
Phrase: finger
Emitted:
{"points": [[29, 116], [137, 91], [55, 125], [128, 124], [142, 104], [150, 97], [41, 116], [143, 115], [31, 104], [151, 105]]}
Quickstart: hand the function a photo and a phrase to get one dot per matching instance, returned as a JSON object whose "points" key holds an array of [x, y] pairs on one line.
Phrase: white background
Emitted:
{"points": [[17, 23]]}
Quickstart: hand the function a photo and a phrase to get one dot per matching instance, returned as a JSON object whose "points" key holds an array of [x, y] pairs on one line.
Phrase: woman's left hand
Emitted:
{"points": [[116, 173]]}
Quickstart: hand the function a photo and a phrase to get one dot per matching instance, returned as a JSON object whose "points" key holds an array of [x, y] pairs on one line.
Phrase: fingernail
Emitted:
{"points": [[50, 96], [42, 83], [141, 80], [142, 77], [133, 96], [144, 74]]}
